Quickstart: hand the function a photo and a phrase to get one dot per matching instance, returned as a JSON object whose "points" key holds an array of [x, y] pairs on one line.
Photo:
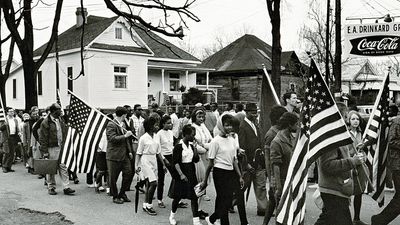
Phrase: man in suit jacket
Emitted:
{"points": [[250, 141], [119, 153], [10, 131]]}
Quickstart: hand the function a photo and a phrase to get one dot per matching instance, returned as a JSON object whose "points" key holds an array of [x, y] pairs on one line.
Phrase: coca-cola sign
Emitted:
{"points": [[379, 45], [374, 39]]}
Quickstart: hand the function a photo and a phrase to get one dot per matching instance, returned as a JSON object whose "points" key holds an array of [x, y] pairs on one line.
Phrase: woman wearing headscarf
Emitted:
{"points": [[202, 144]]}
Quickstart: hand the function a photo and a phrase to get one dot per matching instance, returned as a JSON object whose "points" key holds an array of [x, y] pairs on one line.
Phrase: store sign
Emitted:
{"points": [[378, 39]]}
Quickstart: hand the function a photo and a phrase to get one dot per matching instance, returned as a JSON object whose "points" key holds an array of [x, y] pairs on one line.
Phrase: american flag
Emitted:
{"points": [[58, 99], [86, 126], [2, 112], [322, 129], [376, 138]]}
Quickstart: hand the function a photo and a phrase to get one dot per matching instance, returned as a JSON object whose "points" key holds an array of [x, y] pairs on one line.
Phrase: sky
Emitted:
{"points": [[223, 18]]}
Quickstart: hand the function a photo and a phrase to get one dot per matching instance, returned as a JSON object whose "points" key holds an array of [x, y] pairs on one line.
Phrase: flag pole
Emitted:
{"points": [[98, 111], [376, 104], [270, 84]]}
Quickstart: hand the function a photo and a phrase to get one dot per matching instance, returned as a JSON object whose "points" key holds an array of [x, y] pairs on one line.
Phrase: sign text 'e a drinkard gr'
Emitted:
{"points": [[377, 39]]}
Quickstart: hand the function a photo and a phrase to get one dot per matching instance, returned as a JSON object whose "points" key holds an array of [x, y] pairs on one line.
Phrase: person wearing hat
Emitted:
{"points": [[250, 141]]}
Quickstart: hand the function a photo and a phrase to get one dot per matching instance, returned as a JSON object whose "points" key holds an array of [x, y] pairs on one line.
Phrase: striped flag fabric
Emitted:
{"points": [[2, 111], [86, 126], [376, 138], [322, 130]]}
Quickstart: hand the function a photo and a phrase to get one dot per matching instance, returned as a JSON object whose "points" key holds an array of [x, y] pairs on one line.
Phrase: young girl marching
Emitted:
{"points": [[146, 156], [182, 185]]}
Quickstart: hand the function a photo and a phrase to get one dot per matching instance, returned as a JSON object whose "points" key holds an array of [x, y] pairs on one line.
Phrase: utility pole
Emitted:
{"points": [[328, 12], [57, 66], [337, 69]]}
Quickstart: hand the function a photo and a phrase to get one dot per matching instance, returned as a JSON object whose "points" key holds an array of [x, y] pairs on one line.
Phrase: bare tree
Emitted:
{"points": [[25, 38], [5, 69]]}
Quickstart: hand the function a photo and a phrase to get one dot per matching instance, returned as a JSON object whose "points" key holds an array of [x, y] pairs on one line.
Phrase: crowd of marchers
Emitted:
{"points": [[199, 147]]}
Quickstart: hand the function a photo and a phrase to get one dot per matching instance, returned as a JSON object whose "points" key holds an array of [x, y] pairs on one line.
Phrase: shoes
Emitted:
{"points": [[125, 198], [359, 222], [206, 198], [172, 220], [260, 212], [202, 214], [76, 181], [118, 201], [40, 176], [102, 189], [45, 182], [52, 191], [150, 211], [91, 185], [208, 221], [161, 204], [68, 191], [182, 205], [5, 170], [108, 191], [11, 170]]}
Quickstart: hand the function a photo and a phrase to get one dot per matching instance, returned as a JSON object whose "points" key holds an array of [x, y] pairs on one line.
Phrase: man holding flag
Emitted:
{"points": [[322, 134], [51, 138], [335, 184], [392, 210]]}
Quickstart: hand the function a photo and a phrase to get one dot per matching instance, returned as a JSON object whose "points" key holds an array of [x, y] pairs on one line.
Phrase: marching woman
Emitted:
{"points": [[184, 180], [146, 162], [354, 120], [165, 138], [202, 142], [223, 160]]}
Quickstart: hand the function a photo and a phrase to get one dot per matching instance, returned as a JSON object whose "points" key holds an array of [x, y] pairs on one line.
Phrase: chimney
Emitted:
{"points": [[79, 19]]}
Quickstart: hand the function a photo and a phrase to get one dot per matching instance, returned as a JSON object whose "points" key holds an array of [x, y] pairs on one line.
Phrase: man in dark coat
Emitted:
{"points": [[10, 130], [119, 153], [52, 134], [250, 141]]}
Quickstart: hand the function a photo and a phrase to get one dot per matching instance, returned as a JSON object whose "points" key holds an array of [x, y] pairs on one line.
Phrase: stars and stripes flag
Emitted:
{"points": [[322, 129], [376, 138], [2, 111], [86, 126]]}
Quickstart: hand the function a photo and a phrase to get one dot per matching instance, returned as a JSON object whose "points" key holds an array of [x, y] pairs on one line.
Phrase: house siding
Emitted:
{"points": [[102, 91], [108, 36]]}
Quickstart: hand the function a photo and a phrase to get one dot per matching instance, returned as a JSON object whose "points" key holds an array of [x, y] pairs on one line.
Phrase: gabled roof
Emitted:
{"points": [[71, 39], [360, 70], [246, 53]]}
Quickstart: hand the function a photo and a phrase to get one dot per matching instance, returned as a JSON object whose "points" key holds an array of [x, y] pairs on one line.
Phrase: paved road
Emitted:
{"points": [[22, 190]]}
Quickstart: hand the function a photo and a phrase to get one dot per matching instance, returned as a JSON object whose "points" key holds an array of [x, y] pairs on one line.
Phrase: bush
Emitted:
{"points": [[193, 96]]}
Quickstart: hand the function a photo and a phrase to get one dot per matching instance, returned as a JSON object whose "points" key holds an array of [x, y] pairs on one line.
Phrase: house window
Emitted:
{"points": [[14, 88], [39, 80], [174, 82], [235, 89], [118, 33], [120, 76], [292, 87], [70, 81]]}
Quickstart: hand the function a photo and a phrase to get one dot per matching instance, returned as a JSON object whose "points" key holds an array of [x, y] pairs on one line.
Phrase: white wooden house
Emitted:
{"points": [[122, 66]]}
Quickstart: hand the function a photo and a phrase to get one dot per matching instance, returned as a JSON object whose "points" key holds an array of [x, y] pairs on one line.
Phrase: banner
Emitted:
{"points": [[376, 39]]}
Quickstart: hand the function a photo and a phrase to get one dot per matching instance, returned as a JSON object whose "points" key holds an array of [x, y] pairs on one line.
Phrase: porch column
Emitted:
{"points": [[162, 81], [207, 79], [187, 79]]}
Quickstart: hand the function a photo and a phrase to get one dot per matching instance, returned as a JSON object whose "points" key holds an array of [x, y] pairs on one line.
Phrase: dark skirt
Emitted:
{"points": [[180, 189]]}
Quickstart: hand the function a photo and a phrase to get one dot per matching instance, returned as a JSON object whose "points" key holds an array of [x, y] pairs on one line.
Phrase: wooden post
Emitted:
{"points": [[162, 81]]}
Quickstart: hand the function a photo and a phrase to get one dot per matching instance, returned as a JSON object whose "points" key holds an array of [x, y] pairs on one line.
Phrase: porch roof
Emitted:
{"points": [[177, 66]]}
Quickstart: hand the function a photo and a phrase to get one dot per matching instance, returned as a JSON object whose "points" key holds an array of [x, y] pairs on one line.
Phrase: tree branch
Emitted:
{"points": [[54, 33]]}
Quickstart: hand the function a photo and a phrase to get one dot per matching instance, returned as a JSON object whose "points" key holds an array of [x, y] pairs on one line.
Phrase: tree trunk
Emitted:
{"points": [[29, 82], [3, 90], [276, 52]]}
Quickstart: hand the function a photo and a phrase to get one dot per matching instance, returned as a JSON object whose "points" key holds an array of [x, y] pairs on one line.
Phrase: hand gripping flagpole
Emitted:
{"points": [[98, 111]]}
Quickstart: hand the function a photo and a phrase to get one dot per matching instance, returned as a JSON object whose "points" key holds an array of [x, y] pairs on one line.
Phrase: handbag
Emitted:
{"points": [[45, 166]]}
